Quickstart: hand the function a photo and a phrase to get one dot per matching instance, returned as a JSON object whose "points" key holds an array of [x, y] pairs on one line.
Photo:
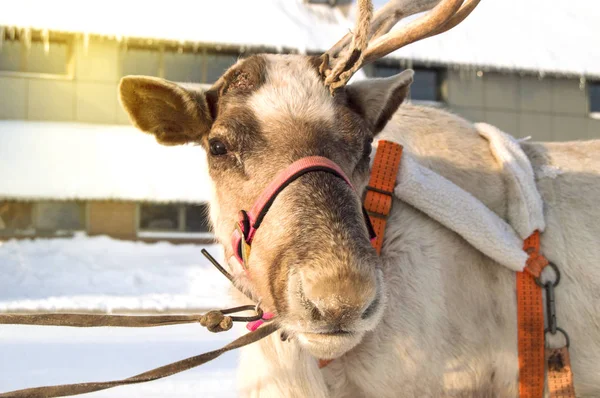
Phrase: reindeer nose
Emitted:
{"points": [[340, 301]]}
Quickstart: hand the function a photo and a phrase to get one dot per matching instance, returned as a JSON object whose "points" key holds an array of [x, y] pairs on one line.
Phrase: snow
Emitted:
{"points": [[52, 160], [237, 22], [541, 36], [104, 274], [108, 275], [36, 356]]}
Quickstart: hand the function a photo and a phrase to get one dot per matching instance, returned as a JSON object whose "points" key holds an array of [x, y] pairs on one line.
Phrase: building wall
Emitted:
{"points": [[117, 219], [548, 109], [88, 94]]}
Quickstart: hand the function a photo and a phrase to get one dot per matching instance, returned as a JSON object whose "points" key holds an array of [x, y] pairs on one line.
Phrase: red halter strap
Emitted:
{"points": [[249, 222]]}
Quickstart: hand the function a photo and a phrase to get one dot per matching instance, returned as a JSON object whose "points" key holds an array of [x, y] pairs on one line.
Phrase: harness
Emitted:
{"points": [[533, 357], [249, 221], [377, 205]]}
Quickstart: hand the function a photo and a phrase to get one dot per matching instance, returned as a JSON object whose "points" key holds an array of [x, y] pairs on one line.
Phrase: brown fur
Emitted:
{"points": [[312, 254]]}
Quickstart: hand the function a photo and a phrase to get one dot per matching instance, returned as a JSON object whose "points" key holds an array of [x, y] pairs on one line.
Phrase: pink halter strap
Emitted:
{"points": [[249, 222]]}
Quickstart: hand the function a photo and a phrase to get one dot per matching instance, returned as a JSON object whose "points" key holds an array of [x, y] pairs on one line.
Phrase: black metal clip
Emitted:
{"points": [[552, 327]]}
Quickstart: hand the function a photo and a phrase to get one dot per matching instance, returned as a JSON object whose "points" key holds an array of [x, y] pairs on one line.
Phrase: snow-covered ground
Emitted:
{"points": [[34, 356], [104, 274]]}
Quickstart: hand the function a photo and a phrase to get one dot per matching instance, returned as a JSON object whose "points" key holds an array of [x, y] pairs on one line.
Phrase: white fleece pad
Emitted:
{"points": [[460, 212], [525, 206], [464, 214]]}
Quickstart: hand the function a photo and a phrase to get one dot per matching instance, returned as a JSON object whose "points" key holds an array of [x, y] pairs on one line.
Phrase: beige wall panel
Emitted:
{"points": [[568, 128], [13, 98], [568, 97], [504, 120], [112, 218], [50, 99], [593, 130], [97, 102], [464, 91], [471, 114], [536, 125], [100, 63], [501, 91], [535, 94]]}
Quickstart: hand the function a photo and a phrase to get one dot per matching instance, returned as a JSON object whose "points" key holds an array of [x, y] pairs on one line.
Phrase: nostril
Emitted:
{"points": [[371, 309], [315, 314], [311, 307]]}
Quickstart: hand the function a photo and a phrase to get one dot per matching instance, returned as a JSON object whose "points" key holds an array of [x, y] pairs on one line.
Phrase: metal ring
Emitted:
{"points": [[567, 339], [258, 310], [538, 280]]}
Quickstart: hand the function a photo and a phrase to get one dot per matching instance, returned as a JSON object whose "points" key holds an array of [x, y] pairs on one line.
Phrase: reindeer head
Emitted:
{"points": [[311, 261]]}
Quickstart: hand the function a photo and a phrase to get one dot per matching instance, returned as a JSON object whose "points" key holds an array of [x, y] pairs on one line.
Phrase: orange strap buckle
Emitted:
{"points": [[530, 320], [380, 191]]}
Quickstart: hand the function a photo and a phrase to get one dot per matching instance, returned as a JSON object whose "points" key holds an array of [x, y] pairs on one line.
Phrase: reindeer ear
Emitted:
{"points": [[378, 99], [160, 107]]}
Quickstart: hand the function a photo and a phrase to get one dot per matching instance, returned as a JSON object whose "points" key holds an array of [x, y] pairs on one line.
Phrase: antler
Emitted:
{"points": [[347, 55]]}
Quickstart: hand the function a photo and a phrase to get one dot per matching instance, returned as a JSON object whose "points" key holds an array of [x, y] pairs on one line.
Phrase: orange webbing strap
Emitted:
{"points": [[380, 191], [530, 320], [560, 376]]}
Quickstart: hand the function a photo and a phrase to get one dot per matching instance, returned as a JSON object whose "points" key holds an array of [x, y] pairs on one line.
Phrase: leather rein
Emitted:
{"points": [[214, 321]]}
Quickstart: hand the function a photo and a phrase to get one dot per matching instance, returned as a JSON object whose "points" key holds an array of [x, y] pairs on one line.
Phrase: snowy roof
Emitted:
{"points": [[529, 35], [51, 160]]}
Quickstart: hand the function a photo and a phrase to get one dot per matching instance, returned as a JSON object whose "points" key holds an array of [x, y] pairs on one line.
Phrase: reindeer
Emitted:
{"points": [[431, 316]]}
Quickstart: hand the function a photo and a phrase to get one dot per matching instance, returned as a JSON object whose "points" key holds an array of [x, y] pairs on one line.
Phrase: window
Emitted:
{"points": [[141, 61], [594, 93], [217, 64], [16, 218], [196, 218], [59, 216], [426, 84], [174, 220], [20, 54], [42, 218], [159, 218], [185, 65]]}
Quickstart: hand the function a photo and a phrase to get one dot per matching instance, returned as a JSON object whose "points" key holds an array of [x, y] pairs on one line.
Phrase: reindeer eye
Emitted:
{"points": [[217, 148]]}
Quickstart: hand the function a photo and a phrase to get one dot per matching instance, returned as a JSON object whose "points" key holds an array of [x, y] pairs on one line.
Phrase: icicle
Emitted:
{"points": [[27, 38], [86, 43], [582, 82], [46, 41], [12, 33]]}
